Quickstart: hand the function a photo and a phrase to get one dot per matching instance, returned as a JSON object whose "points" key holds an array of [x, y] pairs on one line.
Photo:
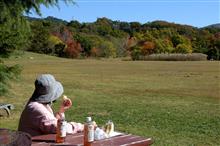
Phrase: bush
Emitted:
{"points": [[136, 53], [6, 74], [213, 54], [183, 48], [175, 57]]}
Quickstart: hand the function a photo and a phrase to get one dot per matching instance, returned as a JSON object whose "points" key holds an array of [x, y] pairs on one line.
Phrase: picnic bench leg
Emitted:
{"points": [[8, 111], [7, 108]]}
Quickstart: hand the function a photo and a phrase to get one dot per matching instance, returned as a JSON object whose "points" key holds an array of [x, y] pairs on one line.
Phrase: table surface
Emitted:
{"points": [[77, 140]]}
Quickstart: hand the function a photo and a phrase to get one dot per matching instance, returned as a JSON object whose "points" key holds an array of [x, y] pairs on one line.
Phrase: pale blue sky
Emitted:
{"points": [[198, 13]]}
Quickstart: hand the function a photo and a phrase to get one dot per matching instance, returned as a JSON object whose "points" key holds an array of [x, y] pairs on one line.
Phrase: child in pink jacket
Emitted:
{"points": [[38, 118]]}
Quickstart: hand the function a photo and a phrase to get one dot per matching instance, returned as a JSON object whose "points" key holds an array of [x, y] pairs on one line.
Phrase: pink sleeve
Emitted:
{"points": [[48, 124], [43, 118]]}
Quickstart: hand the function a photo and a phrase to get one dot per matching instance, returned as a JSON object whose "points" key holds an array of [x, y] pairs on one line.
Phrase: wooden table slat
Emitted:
{"points": [[140, 143], [120, 140], [77, 140]]}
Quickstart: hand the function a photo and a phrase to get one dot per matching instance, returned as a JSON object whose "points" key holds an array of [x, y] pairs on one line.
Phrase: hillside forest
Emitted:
{"points": [[102, 38], [108, 38]]}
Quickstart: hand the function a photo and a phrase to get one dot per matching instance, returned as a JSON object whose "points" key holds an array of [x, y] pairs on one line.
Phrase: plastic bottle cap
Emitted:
{"points": [[88, 119]]}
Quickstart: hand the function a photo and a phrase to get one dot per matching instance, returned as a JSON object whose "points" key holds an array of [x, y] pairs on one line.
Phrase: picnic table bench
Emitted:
{"points": [[7, 108], [14, 138]]}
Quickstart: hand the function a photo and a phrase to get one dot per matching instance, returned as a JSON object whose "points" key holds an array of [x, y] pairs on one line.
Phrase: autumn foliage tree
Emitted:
{"points": [[73, 48], [104, 37], [147, 48], [142, 49]]}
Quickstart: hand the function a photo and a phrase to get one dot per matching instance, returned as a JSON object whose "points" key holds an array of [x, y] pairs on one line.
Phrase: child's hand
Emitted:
{"points": [[66, 104]]}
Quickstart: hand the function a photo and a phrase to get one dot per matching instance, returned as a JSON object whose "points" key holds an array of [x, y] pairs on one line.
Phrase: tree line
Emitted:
{"points": [[108, 38], [102, 38]]}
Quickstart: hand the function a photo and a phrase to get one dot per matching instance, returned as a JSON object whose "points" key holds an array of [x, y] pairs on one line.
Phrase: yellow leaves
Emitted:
{"points": [[54, 40]]}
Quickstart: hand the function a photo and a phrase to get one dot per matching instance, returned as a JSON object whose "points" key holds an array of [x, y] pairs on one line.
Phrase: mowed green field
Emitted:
{"points": [[174, 103]]}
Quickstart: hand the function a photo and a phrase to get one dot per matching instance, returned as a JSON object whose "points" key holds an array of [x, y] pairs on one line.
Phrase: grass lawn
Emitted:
{"points": [[175, 103]]}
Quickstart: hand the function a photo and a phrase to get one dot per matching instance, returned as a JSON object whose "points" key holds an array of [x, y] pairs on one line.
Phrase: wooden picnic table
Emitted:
{"points": [[77, 140]]}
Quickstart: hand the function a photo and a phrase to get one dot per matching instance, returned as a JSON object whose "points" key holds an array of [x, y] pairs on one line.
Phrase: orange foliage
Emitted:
{"points": [[130, 43], [73, 48], [147, 48], [95, 52], [217, 35]]}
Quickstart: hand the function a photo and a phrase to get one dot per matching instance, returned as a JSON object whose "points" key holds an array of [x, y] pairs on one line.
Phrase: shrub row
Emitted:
{"points": [[174, 57]]}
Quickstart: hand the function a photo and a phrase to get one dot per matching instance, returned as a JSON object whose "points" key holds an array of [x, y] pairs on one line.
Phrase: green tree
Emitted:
{"points": [[135, 52], [39, 41], [14, 30], [7, 73], [183, 48], [105, 27], [163, 46], [108, 49], [181, 44], [85, 42], [135, 27], [74, 26], [56, 45], [125, 26], [179, 39]]}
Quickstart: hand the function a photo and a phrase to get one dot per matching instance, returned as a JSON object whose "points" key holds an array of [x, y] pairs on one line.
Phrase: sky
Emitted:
{"points": [[197, 13]]}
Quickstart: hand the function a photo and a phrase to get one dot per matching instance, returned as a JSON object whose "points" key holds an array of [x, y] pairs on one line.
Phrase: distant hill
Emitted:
{"points": [[54, 19], [110, 38], [164, 24], [217, 25], [156, 23], [49, 18]]}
